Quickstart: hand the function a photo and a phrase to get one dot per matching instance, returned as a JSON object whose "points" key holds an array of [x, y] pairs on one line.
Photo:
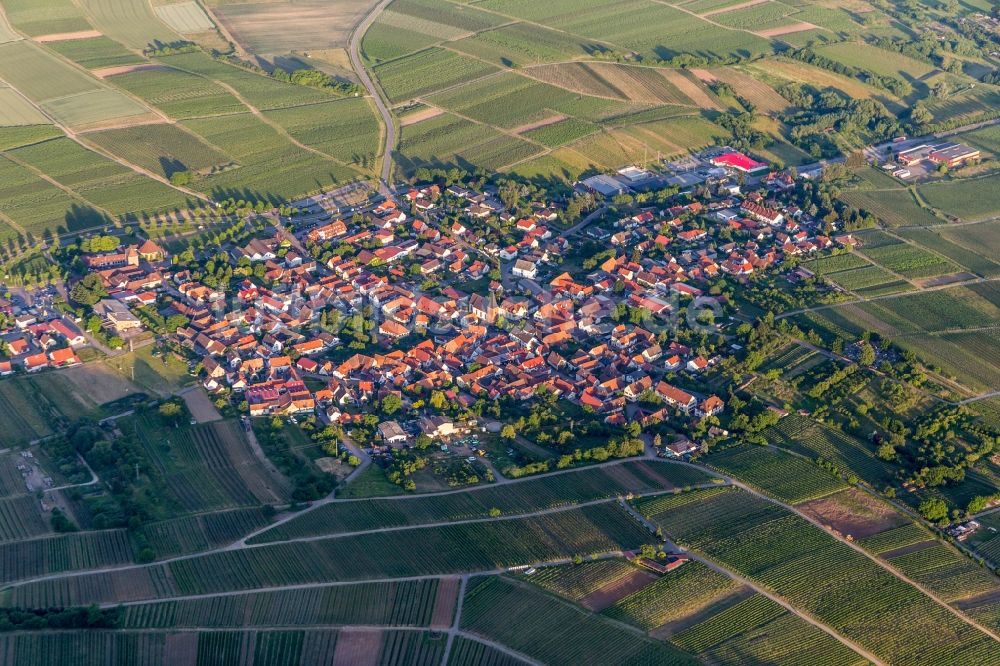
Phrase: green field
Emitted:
{"points": [[406, 603], [206, 467], [130, 22], [422, 551], [45, 17], [674, 596], [554, 631], [966, 199], [511, 499], [162, 149], [813, 440], [819, 574], [427, 71], [95, 52], [347, 130], [775, 473], [69, 95]]}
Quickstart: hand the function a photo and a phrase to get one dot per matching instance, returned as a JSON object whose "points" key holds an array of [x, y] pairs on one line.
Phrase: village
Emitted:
{"points": [[443, 290]]}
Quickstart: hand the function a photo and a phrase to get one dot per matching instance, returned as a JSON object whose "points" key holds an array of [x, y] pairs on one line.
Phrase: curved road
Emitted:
{"points": [[354, 49]]}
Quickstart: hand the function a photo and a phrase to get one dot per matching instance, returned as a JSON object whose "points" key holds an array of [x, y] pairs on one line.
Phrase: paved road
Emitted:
{"points": [[354, 50]]}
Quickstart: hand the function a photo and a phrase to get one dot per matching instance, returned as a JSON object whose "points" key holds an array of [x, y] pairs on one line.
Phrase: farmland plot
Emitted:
{"points": [[674, 596], [95, 52], [461, 548], [68, 552], [427, 71], [17, 111], [522, 44], [186, 17], [66, 93], [910, 261], [101, 181], [969, 259], [521, 497], [178, 94], [966, 199], [849, 455], [36, 205], [553, 631], [813, 571], [346, 129], [190, 534], [209, 466], [402, 604], [784, 476], [284, 26], [469, 652], [163, 149], [130, 22], [21, 518], [258, 90], [44, 17]]}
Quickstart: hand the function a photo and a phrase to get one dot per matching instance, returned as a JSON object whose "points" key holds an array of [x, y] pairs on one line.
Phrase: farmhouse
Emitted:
{"points": [[391, 433]]}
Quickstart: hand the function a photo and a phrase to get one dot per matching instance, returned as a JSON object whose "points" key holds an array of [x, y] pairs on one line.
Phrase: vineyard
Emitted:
{"points": [[21, 518], [208, 466], [553, 631], [949, 574], [524, 496], [469, 652], [814, 440], [191, 534], [776, 473], [480, 546], [821, 575], [577, 581], [87, 550], [910, 261], [401, 604], [676, 595]]}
